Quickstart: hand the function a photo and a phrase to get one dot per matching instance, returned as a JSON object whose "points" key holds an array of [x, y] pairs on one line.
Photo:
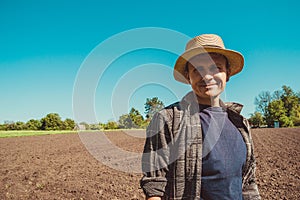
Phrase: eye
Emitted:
{"points": [[199, 69], [194, 70], [214, 68], [217, 68]]}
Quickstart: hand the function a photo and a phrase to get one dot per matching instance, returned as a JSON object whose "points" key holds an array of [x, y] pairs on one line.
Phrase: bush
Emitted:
{"points": [[111, 125]]}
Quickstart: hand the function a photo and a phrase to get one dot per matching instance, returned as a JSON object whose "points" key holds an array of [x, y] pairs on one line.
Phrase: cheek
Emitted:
{"points": [[221, 78], [224, 84], [195, 77]]}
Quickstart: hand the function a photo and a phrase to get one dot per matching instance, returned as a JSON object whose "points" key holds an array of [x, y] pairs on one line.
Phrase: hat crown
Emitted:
{"points": [[205, 40]]}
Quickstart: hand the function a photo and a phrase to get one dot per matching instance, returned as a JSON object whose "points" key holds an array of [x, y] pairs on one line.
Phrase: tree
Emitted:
{"points": [[153, 105], [3, 127], [277, 95], [15, 125], [132, 120], [95, 126], [284, 107], [256, 119], [20, 125], [111, 125], [125, 121], [276, 112], [33, 124], [52, 122], [290, 100], [136, 118], [68, 124], [262, 102]]}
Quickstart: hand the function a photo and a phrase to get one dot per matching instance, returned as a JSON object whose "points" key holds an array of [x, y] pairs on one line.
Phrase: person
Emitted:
{"points": [[201, 147]]}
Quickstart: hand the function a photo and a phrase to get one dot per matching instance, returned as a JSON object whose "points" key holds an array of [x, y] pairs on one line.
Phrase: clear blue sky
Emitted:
{"points": [[43, 44]]}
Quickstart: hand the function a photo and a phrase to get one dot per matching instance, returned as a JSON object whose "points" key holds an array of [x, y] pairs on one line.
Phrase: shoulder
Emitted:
{"points": [[172, 106], [167, 115], [234, 114], [168, 112], [235, 107]]}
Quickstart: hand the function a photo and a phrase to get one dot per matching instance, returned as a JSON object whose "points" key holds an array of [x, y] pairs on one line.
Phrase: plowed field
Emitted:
{"points": [[60, 167]]}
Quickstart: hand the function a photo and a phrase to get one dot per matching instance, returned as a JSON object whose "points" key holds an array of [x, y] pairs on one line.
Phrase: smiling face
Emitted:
{"points": [[207, 74]]}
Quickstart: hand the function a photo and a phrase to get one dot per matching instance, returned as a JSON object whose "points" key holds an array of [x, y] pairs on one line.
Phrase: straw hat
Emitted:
{"points": [[207, 43]]}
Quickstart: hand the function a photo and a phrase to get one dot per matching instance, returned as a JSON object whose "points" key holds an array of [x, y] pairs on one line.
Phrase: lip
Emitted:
{"points": [[208, 85]]}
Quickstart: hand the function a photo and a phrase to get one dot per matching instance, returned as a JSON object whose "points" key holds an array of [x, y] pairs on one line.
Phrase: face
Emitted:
{"points": [[207, 75]]}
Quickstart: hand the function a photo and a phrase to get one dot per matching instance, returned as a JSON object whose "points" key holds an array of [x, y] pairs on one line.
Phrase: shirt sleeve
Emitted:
{"points": [[250, 189], [155, 158]]}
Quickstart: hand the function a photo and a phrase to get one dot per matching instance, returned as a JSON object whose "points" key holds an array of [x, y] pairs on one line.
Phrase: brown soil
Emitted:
{"points": [[278, 162], [60, 167]]}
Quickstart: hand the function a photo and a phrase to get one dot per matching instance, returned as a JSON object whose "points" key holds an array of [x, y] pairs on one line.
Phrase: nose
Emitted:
{"points": [[207, 76]]}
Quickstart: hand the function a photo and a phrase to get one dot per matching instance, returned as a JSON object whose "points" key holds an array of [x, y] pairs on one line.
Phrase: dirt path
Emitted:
{"points": [[59, 167]]}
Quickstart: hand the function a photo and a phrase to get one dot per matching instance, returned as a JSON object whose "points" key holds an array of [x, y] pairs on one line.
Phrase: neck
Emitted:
{"points": [[212, 101]]}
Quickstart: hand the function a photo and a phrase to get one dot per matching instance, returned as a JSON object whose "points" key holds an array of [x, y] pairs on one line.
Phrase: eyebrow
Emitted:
{"points": [[198, 66]]}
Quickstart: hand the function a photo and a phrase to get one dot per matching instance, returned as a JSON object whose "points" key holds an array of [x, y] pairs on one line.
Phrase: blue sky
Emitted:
{"points": [[45, 44]]}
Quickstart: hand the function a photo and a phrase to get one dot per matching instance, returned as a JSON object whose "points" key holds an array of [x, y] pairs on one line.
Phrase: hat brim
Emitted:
{"points": [[235, 59]]}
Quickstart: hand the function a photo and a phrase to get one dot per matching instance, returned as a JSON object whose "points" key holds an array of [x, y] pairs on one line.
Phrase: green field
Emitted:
{"points": [[5, 134]]}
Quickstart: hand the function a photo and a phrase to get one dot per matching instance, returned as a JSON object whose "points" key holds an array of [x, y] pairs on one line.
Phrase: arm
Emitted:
{"points": [[155, 159], [250, 189]]}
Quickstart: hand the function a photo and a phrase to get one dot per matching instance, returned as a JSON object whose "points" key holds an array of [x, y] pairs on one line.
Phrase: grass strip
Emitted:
{"points": [[6, 134]]}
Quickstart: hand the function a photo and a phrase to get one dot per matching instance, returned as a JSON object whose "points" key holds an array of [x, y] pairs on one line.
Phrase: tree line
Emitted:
{"points": [[282, 106], [134, 119], [52, 121]]}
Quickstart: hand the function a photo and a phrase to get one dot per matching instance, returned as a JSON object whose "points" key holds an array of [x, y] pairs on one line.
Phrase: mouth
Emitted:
{"points": [[207, 85]]}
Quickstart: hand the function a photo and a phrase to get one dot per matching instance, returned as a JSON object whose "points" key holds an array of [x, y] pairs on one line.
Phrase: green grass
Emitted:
{"points": [[121, 129], [5, 134]]}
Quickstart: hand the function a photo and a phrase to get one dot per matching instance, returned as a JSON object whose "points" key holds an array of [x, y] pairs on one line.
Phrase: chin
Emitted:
{"points": [[211, 94]]}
